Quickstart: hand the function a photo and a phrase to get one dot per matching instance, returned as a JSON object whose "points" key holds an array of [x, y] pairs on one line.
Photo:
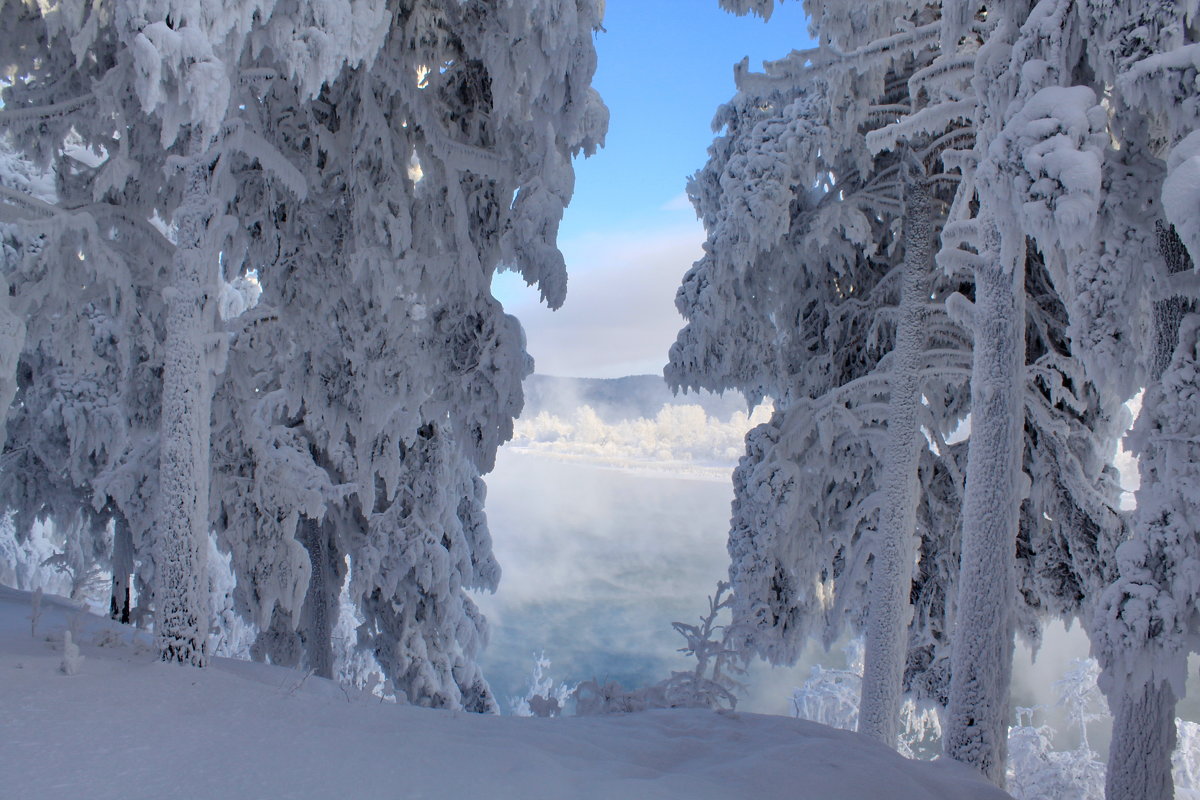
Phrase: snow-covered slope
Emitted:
{"points": [[128, 726]]}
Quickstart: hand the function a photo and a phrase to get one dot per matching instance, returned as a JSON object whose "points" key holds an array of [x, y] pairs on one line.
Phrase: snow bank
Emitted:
{"points": [[128, 726]]}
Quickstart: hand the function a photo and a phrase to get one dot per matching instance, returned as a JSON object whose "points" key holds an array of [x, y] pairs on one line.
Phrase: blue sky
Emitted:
{"points": [[629, 234]]}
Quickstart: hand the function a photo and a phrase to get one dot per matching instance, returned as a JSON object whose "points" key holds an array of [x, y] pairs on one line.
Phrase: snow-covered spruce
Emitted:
{"points": [[807, 282], [383, 374], [1046, 142], [243, 133]]}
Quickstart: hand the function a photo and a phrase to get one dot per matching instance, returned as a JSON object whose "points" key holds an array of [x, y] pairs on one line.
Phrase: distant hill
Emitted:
{"points": [[616, 399]]}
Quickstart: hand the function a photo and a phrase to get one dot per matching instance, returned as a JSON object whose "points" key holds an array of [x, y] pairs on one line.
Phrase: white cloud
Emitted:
{"points": [[679, 202], [619, 317]]}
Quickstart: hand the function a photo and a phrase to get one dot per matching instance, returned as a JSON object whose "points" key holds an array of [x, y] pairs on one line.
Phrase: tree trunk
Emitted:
{"points": [[1169, 312], [981, 661], [305, 637], [180, 538], [12, 342], [122, 571], [320, 611], [1139, 758], [279, 642], [889, 610]]}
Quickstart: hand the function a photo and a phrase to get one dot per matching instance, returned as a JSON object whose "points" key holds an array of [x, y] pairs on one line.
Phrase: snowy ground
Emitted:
{"points": [[128, 726]]}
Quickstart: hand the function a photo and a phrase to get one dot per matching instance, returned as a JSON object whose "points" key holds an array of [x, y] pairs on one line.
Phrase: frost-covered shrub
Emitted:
{"points": [[1036, 770], [1185, 761], [681, 690], [831, 696], [711, 684], [71, 660], [230, 634], [543, 699], [86, 579], [23, 562]]}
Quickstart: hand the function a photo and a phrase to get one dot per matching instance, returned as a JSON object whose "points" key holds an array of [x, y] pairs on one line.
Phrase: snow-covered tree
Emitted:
{"points": [[1144, 630], [83, 269], [1035, 177], [135, 75], [382, 374], [1002, 96], [816, 289], [373, 166], [1020, 165], [831, 697]]}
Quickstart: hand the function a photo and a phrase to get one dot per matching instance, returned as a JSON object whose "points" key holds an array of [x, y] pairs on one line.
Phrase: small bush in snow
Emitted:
{"points": [[709, 685], [71, 660], [543, 699]]}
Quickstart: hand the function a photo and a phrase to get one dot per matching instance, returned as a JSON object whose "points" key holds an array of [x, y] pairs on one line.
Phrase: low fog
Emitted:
{"points": [[609, 511]]}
